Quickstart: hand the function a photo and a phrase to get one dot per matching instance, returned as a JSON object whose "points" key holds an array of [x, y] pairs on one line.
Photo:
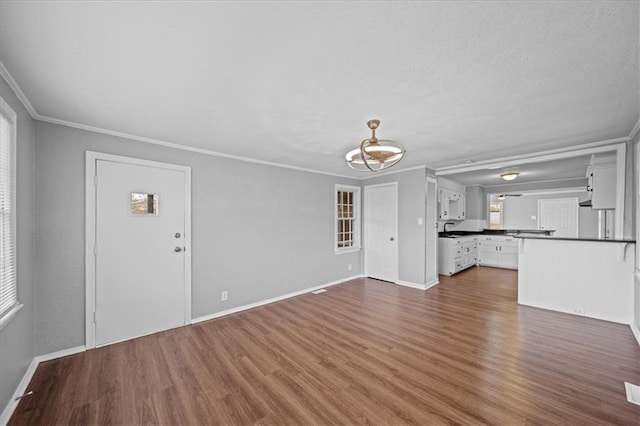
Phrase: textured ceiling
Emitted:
{"points": [[296, 82]]}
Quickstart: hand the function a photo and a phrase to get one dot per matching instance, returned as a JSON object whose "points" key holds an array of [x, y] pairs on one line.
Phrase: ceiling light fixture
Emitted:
{"points": [[375, 154], [509, 175]]}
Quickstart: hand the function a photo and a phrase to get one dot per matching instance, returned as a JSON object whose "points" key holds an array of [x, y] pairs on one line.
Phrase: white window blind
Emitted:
{"points": [[8, 283]]}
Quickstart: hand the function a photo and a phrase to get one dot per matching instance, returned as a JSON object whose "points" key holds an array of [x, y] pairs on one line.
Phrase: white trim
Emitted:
{"points": [[11, 115], [544, 191], [554, 154], [621, 166], [396, 233], [28, 375], [8, 316], [4, 72], [393, 172], [431, 284], [272, 300], [20, 390], [529, 182], [635, 130], [357, 237], [90, 234], [636, 331], [61, 353], [183, 147], [411, 285]]}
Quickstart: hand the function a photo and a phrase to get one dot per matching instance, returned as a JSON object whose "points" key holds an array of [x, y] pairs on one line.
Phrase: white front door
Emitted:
{"points": [[559, 214], [381, 231], [140, 250]]}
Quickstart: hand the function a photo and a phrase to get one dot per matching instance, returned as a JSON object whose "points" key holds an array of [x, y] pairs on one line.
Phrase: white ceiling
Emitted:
{"points": [[295, 82]]}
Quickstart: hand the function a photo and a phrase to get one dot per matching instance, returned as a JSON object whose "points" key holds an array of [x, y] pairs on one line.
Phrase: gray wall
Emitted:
{"points": [[258, 231], [17, 337], [518, 212], [411, 206], [476, 201]]}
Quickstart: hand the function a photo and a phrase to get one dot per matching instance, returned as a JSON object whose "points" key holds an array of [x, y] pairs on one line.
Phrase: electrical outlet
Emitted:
{"points": [[224, 295], [349, 267]]}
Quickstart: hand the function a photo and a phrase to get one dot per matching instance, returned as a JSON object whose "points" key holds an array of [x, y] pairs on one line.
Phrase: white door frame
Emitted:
{"points": [[90, 234], [365, 227]]}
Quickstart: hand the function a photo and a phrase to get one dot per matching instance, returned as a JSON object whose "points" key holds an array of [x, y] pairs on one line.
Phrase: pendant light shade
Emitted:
{"points": [[509, 176], [375, 154]]}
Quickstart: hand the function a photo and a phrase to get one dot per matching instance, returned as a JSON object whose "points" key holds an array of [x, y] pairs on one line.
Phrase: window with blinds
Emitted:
{"points": [[347, 231], [8, 283]]}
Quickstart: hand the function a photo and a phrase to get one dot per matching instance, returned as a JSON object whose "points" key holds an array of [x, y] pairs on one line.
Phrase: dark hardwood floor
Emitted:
{"points": [[365, 351]]}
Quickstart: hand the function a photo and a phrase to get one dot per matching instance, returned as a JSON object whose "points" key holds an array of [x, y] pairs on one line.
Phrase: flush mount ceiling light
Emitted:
{"points": [[509, 175], [375, 154]]}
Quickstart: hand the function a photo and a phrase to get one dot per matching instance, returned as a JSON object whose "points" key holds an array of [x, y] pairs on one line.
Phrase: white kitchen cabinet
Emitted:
{"points": [[457, 254], [498, 251], [601, 186], [452, 204]]}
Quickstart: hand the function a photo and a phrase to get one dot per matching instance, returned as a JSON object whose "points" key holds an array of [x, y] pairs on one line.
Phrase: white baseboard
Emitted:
{"points": [[418, 286], [20, 390], [28, 375], [412, 285], [432, 283], [267, 301], [636, 331]]}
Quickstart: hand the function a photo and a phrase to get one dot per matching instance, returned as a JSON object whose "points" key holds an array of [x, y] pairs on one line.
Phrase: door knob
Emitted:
{"points": [[178, 235], [391, 239], [177, 249]]}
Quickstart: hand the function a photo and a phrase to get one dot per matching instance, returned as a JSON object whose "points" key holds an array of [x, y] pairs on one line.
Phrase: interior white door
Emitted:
{"points": [[140, 262], [381, 231], [430, 222], [559, 214]]}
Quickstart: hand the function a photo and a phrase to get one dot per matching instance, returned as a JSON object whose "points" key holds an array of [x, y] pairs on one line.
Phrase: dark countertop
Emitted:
{"points": [[509, 232], [574, 239]]}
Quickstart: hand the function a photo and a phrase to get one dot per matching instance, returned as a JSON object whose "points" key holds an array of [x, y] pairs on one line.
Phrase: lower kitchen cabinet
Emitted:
{"points": [[498, 251], [457, 254]]}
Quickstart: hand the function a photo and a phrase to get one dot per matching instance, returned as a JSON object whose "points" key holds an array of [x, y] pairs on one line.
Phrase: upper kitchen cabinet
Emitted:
{"points": [[601, 186], [451, 200]]}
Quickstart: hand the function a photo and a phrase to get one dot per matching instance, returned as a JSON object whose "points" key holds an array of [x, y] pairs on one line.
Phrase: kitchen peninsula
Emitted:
{"points": [[581, 276]]}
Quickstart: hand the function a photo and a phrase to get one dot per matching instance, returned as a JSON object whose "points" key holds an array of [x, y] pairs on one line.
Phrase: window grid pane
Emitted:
{"points": [[346, 219]]}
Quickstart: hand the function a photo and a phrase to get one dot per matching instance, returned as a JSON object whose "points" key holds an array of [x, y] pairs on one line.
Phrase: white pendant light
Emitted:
{"points": [[375, 154]]}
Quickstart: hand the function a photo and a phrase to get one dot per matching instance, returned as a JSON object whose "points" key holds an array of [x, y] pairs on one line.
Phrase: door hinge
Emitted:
{"points": [[95, 180], [95, 250], [94, 317]]}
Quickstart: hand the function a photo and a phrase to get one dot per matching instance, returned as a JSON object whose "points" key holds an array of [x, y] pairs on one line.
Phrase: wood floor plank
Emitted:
{"points": [[364, 352]]}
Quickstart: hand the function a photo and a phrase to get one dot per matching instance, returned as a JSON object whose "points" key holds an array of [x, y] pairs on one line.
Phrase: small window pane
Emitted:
{"points": [[144, 204]]}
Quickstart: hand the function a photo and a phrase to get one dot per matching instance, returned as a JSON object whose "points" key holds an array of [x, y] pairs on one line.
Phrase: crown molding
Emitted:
{"points": [[393, 172], [531, 182], [4, 72], [184, 147], [515, 160], [635, 130]]}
